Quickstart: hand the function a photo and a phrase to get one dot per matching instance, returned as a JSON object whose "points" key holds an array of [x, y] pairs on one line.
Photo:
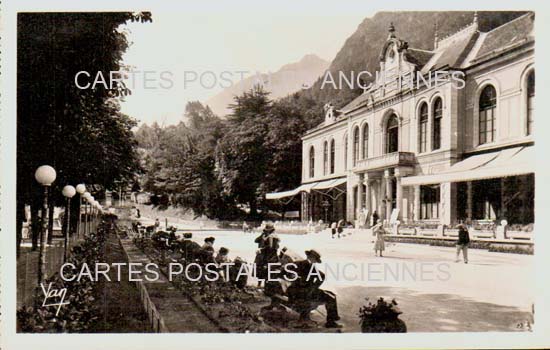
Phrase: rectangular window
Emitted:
{"points": [[487, 126], [530, 113], [423, 136], [437, 134]]}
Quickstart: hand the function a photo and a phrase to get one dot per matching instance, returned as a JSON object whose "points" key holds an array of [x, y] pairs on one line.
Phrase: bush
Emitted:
{"points": [[80, 315], [381, 317]]}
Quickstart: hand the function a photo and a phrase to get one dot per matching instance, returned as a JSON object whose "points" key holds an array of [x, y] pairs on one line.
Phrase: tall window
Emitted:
{"points": [[429, 202], [325, 158], [487, 111], [530, 101], [365, 148], [312, 162], [437, 117], [423, 128], [392, 135], [355, 145], [346, 152], [332, 156]]}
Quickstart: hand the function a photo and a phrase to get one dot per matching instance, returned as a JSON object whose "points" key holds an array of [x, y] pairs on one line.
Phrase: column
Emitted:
{"points": [[469, 198], [398, 194], [360, 193], [349, 201], [305, 207], [375, 190], [416, 202], [367, 194], [381, 196], [389, 194]]}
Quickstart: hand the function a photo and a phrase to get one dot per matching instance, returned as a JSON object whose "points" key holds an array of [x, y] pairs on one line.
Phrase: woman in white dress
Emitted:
{"points": [[379, 232]]}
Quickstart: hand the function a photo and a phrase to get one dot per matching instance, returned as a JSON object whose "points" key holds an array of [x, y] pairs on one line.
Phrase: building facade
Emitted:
{"points": [[445, 136]]}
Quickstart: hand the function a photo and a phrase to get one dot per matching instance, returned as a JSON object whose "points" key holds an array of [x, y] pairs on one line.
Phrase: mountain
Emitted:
{"points": [[289, 79], [362, 49]]}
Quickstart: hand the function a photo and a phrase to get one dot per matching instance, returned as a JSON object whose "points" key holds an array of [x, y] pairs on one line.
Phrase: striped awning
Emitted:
{"points": [[320, 185], [508, 162]]}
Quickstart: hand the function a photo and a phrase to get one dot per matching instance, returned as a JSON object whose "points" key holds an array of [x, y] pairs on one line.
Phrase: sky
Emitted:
{"points": [[186, 56]]}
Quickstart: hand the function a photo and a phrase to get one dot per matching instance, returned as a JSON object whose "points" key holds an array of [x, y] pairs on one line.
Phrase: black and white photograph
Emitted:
{"points": [[194, 170]]}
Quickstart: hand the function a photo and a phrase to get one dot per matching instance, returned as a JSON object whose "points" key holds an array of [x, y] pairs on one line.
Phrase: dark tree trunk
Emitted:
{"points": [[253, 209], [19, 216]]}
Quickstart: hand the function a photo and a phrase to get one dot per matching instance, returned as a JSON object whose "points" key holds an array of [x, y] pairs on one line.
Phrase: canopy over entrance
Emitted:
{"points": [[508, 162], [320, 185]]}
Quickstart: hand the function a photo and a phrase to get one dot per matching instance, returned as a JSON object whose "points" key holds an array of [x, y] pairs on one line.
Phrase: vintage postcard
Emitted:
{"points": [[287, 175]]}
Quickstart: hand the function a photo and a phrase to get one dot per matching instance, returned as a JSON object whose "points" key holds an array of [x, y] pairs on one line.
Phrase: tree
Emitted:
{"points": [[242, 156], [80, 132]]}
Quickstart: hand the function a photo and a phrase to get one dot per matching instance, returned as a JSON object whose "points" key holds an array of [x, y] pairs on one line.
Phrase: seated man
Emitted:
{"points": [[304, 293], [207, 251], [189, 249], [222, 256], [238, 273]]}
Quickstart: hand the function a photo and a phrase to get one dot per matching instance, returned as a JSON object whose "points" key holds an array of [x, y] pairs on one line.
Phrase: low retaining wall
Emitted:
{"points": [[167, 309]]}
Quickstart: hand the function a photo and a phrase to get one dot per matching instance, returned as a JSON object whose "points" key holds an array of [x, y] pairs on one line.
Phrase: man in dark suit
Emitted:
{"points": [[305, 293], [207, 251], [462, 243], [188, 248]]}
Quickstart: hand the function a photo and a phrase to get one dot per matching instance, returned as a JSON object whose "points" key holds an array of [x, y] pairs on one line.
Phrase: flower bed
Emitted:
{"points": [[235, 310], [517, 248], [436, 242], [81, 312]]}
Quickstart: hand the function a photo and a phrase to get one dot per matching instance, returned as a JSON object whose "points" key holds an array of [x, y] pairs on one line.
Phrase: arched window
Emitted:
{"points": [[325, 158], [437, 117], [365, 148], [332, 156], [487, 114], [355, 145], [392, 134], [346, 152], [530, 101], [423, 128], [312, 162]]}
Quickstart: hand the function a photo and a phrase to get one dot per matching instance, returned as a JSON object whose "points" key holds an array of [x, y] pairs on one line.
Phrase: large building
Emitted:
{"points": [[457, 149]]}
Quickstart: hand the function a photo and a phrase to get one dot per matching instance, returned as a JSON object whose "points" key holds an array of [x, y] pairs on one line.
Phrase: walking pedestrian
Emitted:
{"points": [[379, 245], [333, 227], [341, 225], [462, 243]]}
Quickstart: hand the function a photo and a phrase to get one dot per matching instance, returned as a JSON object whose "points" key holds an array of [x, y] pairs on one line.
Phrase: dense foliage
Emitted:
{"points": [[223, 168], [80, 132]]}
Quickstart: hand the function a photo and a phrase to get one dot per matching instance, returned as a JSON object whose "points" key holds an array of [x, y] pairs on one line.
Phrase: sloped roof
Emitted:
{"points": [[509, 34], [454, 52], [465, 47], [418, 57], [356, 102]]}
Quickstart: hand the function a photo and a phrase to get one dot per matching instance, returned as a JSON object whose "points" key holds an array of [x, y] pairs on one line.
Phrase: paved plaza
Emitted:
{"points": [[493, 292]]}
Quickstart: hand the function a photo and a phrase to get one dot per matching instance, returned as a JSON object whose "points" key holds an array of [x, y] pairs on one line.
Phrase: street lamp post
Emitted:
{"points": [[81, 189], [96, 205], [93, 208], [44, 175], [325, 204], [69, 192], [91, 221], [87, 196]]}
